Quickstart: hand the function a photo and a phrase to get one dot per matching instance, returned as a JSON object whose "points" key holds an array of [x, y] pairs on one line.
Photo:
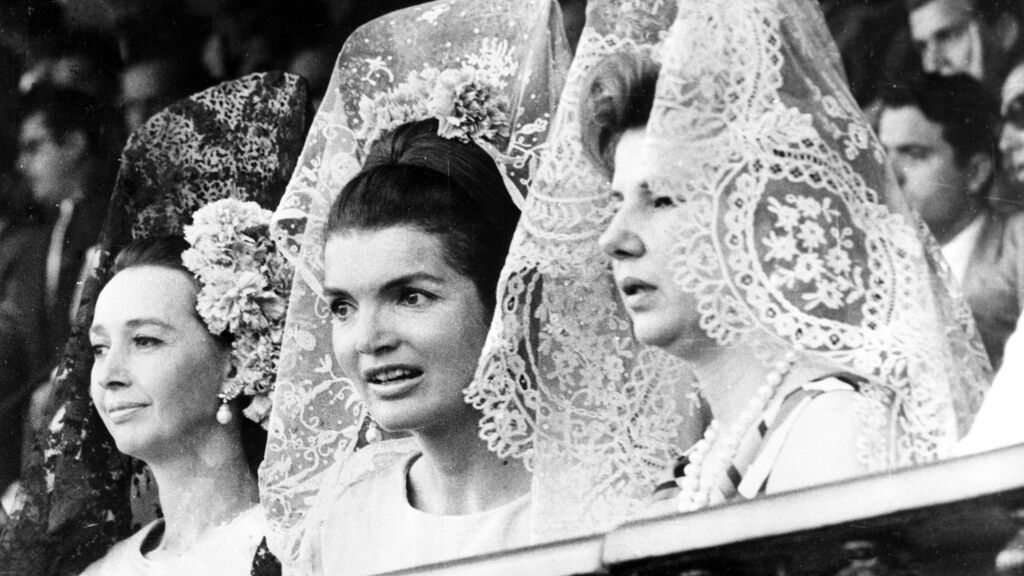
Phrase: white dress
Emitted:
{"points": [[369, 527], [228, 551], [999, 423]]}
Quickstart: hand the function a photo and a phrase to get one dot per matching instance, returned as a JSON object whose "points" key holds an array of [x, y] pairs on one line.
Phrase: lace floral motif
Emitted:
{"points": [[788, 227], [467, 101], [453, 56], [562, 382]]}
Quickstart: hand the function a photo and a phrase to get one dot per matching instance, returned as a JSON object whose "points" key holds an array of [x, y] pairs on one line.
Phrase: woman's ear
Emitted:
{"points": [[228, 368], [980, 170]]}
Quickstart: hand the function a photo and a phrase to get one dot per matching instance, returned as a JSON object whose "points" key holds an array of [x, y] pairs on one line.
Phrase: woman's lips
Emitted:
{"points": [[392, 381], [636, 293], [123, 411]]}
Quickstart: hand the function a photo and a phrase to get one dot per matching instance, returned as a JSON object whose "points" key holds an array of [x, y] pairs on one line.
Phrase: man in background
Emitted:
{"points": [[150, 84], [975, 37], [64, 157], [939, 131], [1011, 135]]}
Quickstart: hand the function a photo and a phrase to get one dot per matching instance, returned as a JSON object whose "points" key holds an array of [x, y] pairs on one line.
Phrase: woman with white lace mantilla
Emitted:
{"points": [[408, 326], [399, 219], [775, 410], [749, 238], [751, 227]]}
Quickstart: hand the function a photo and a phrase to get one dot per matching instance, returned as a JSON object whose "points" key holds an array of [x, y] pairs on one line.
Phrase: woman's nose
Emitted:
{"points": [[619, 240], [374, 334], [901, 174], [110, 370]]}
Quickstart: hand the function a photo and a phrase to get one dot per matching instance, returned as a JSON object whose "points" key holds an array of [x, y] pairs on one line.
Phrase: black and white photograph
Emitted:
{"points": [[512, 287]]}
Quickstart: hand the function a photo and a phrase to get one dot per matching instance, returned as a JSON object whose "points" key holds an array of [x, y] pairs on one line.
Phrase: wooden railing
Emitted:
{"points": [[953, 517]]}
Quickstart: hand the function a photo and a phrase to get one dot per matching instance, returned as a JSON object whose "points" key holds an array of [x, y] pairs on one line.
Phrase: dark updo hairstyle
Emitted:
{"points": [[413, 177], [165, 252], [617, 96]]}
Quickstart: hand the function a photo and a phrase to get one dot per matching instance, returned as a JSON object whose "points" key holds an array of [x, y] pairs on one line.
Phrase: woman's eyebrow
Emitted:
{"points": [[407, 279], [100, 330], [149, 321]]}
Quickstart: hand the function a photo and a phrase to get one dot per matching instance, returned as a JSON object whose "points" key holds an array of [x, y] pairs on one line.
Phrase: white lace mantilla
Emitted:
{"points": [[318, 418], [790, 228], [563, 384]]}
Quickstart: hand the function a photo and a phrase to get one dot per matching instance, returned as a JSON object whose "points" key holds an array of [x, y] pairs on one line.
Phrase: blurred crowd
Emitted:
{"points": [[943, 79]]}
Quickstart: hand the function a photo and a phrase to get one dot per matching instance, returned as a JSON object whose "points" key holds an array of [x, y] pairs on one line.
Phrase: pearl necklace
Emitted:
{"points": [[703, 475]]}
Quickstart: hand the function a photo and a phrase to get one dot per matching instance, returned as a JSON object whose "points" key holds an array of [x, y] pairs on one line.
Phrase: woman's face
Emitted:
{"points": [[156, 370], [640, 241], [408, 328]]}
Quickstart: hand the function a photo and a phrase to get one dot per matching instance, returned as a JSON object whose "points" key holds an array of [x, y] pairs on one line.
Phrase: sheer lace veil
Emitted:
{"points": [[317, 418], [790, 231]]}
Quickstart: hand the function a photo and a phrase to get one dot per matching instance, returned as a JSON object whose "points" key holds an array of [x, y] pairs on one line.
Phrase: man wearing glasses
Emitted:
{"points": [[974, 37]]}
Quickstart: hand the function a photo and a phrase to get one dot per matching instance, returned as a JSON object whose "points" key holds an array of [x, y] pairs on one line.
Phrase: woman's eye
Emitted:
{"points": [[146, 341], [341, 310], [413, 298], [98, 350]]}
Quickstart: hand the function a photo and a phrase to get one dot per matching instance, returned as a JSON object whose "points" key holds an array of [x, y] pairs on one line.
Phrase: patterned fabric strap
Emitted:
{"points": [[751, 468], [750, 472]]}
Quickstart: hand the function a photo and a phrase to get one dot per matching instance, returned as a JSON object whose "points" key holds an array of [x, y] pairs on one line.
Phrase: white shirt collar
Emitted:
{"points": [[959, 248]]}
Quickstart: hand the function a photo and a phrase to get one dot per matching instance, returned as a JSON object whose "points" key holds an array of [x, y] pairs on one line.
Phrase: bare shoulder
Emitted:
{"points": [[821, 446]]}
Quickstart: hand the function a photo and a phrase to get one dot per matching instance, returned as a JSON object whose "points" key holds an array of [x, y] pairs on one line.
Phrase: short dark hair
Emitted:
{"points": [[618, 95], [967, 111], [165, 252], [989, 10], [442, 186], [65, 111]]}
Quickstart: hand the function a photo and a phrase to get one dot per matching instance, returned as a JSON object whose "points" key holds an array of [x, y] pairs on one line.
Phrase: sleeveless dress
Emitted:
{"points": [[229, 550], [369, 527], [751, 468]]}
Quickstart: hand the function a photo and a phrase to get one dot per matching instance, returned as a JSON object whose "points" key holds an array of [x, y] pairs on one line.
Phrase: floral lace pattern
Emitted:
{"points": [[515, 44], [789, 224], [563, 384], [240, 140], [789, 228], [469, 102]]}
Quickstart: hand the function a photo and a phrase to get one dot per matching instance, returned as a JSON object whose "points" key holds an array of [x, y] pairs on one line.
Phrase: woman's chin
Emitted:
{"points": [[131, 447], [681, 343]]}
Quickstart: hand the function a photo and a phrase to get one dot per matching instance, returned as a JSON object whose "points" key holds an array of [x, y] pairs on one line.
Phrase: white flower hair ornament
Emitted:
{"points": [[469, 104], [244, 286]]}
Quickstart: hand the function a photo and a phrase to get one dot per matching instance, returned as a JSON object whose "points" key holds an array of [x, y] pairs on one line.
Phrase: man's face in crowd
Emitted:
{"points": [[932, 180], [49, 164], [1011, 137], [952, 37], [946, 34]]}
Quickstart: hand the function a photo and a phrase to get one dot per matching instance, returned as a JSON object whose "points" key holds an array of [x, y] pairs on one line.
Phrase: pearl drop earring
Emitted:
{"points": [[224, 414]]}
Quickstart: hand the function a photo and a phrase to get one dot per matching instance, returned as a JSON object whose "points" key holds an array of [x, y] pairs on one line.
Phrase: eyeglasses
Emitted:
{"points": [[1014, 114]]}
